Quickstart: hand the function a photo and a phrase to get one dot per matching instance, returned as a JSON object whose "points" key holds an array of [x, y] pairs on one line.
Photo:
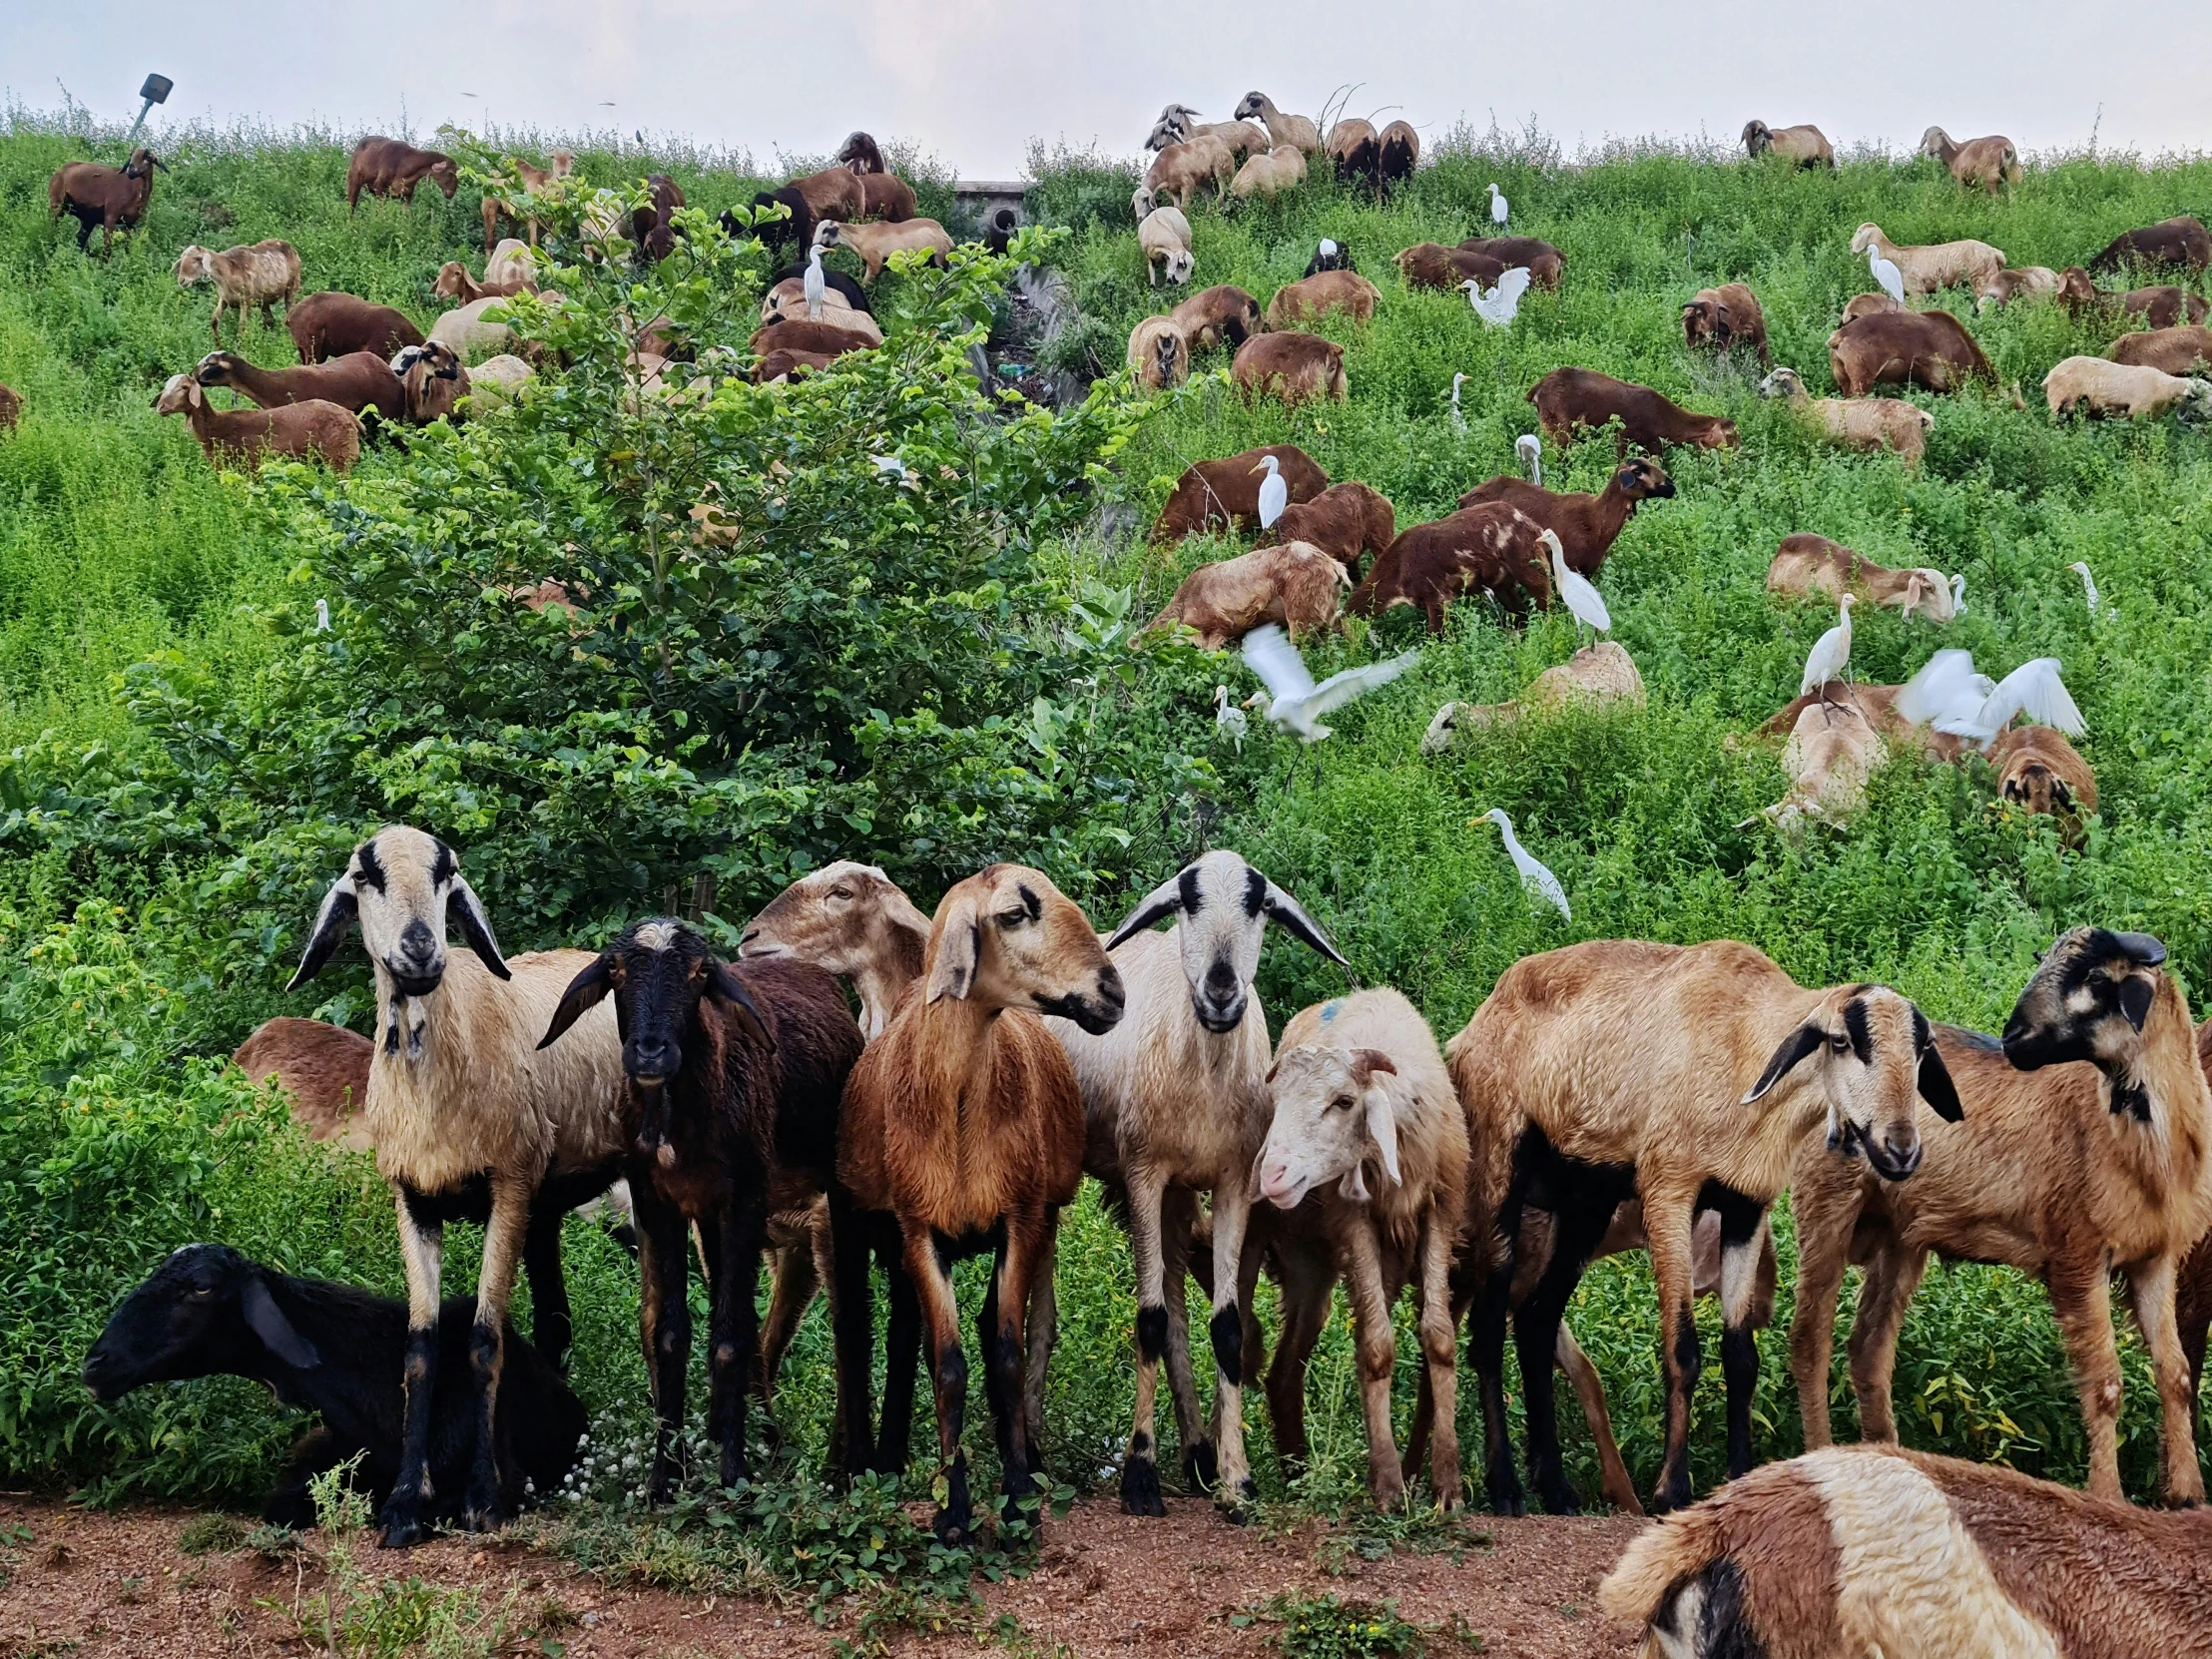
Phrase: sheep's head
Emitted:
{"points": [[1641, 479], [2196, 402], [1758, 137], [1783, 383], [1869, 1054], [1164, 133], [2088, 1000], [399, 885], [142, 164], [454, 281], [1867, 305], [843, 919], [196, 265], [1180, 263], [1222, 907], [1934, 142], [1332, 1112], [1006, 938], [2035, 787], [1140, 203], [1167, 356], [1928, 591], [1867, 236], [445, 175], [2076, 287], [1249, 104], [204, 1311], [1717, 433], [177, 394], [564, 163], [219, 368]]}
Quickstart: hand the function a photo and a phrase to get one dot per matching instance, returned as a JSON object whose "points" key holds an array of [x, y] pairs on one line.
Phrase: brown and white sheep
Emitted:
{"points": [[246, 436], [244, 277], [1297, 131], [1225, 494], [1354, 148], [112, 198], [1991, 163], [2043, 775], [1805, 566], [876, 243], [1296, 368], [1326, 294], [2019, 282], [1219, 316], [1724, 318], [1862, 423], [358, 381], [386, 167], [826, 337], [1805, 146], [1935, 266], [2162, 306], [1159, 356], [1267, 176], [1570, 400], [1164, 236], [1292, 584], [514, 201], [1346, 521], [2181, 240], [1548, 266], [2181, 351], [1595, 677], [1493, 549], [2131, 389], [1181, 170], [334, 325], [1905, 348], [1586, 525], [455, 282], [432, 379]]}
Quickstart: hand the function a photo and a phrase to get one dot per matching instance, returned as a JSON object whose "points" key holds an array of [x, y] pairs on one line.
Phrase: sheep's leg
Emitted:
{"points": [[2150, 1286], [1178, 1224], [1424, 1401], [853, 1329], [421, 1247], [2193, 1310], [1376, 1341], [1824, 1231], [734, 1337], [794, 1278], [902, 1354], [1232, 1208], [290, 1503], [2081, 1298], [1309, 1274], [484, 1507], [1440, 1347], [1486, 1353], [1612, 1474], [552, 1328], [930, 1269], [1743, 1235], [1028, 1241], [1044, 1328], [1893, 1274], [216, 327], [1579, 1222], [664, 1326], [1669, 1221], [1139, 1469]]}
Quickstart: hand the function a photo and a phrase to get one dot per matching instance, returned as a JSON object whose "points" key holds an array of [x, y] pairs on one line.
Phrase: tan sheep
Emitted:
{"points": [[2043, 775], [1159, 353], [1296, 131], [510, 263], [1281, 168], [2171, 350], [1934, 266], [1295, 585], [2124, 389], [1805, 146], [244, 277], [1863, 423], [1165, 237], [1829, 755], [2023, 281], [1183, 169], [1867, 305], [1219, 316], [1600, 675], [1344, 292], [1991, 163], [875, 243], [1297, 368], [1807, 566]]}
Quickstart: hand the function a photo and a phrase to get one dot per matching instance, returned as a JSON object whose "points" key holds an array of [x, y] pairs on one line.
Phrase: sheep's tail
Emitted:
{"points": [[1660, 1564]]}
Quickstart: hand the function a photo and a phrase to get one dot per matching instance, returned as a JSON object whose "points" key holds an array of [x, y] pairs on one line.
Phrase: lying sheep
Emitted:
{"points": [[1297, 368], [511, 262], [1830, 753], [1863, 423], [1598, 676], [1182, 169], [2162, 306], [469, 333], [244, 277], [1295, 585], [1344, 292], [1219, 316], [1991, 162], [2173, 350], [2124, 389], [1165, 236], [1867, 305], [1724, 317], [1805, 146], [1267, 176], [2023, 281], [875, 243], [1805, 566], [1159, 355], [1937, 266]]}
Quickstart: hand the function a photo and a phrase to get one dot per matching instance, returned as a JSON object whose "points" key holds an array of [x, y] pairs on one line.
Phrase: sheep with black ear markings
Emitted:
{"points": [[1165, 236]]}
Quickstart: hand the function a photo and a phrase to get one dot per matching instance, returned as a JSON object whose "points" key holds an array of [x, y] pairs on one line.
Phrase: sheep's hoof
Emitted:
{"points": [[952, 1529], [1201, 1469], [1140, 1488], [1671, 1495], [1559, 1499], [402, 1531], [1506, 1493]]}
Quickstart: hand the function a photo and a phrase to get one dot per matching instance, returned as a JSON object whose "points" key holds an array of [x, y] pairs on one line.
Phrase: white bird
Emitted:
{"points": [[1944, 683], [891, 466], [1958, 596], [323, 616], [1229, 721], [1497, 212], [1292, 700], [1496, 307], [1531, 448], [1274, 493], [1887, 274], [1328, 249], [1831, 652], [1534, 877], [1948, 694], [2081, 568], [1577, 591], [1458, 420], [816, 286]]}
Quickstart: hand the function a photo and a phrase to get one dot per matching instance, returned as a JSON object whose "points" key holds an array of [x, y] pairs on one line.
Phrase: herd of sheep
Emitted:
{"points": [[1607, 1096]]}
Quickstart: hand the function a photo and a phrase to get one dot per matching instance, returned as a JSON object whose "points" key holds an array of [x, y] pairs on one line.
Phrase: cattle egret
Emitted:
{"points": [[1831, 652], [1496, 306], [1292, 700], [1958, 596], [1328, 248], [2081, 568], [1275, 494], [323, 616], [1531, 448], [1535, 880], [1578, 594], [1229, 721], [1458, 420], [1944, 683], [891, 466], [1498, 207], [1887, 274], [1950, 696], [816, 286]]}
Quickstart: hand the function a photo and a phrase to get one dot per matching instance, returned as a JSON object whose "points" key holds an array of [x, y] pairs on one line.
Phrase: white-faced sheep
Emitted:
{"points": [[1182, 170], [2089, 1169], [2134, 391], [1863, 423], [1600, 675], [1179, 122], [1689, 1078], [876, 243], [1298, 587], [1991, 163], [246, 436], [1805, 146], [1297, 131], [1935, 266], [1805, 566], [244, 277], [1165, 237], [1267, 176], [1159, 355]]}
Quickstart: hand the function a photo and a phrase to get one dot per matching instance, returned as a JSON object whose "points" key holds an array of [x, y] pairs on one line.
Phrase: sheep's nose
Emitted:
{"points": [[652, 1058], [1109, 986], [1221, 981], [416, 942]]}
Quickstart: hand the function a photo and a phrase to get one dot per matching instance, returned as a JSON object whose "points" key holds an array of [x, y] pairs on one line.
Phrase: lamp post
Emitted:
{"points": [[155, 91]]}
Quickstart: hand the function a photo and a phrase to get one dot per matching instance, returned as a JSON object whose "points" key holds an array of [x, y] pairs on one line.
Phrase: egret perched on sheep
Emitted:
{"points": [[1498, 211], [1887, 274], [815, 282], [1458, 420], [1229, 721], [1535, 880], [1292, 700], [1498, 306], [1830, 654], [2080, 567], [1531, 448], [1275, 492], [1574, 590], [1949, 695], [323, 616]]}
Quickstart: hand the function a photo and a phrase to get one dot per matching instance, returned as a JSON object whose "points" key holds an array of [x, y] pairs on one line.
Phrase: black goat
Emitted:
{"points": [[735, 1078], [862, 153], [337, 1351], [1328, 255]]}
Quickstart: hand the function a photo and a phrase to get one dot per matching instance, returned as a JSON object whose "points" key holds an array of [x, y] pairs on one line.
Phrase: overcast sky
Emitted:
{"points": [[974, 80]]}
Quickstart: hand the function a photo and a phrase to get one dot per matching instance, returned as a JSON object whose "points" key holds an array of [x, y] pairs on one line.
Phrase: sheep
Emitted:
{"points": [[786, 303], [1987, 161], [459, 1099], [509, 265], [1159, 356], [1568, 399], [2043, 775], [1297, 131], [1346, 521], [1548, 266], [876, 243], [2070, 1176], [2134, 391], [1805, 146], [468, 332], [778, 366], [1226, 493], [1866, 423], [1398, 154], [1219, 316], [1182, 169], [11, 409], [529, 182], [964, 1122], [361, 382], [1297, 368], [433, 382], [1431, 265], [1179, 122], [1688, 1077], [862, 153], [826, 338], [2171, 350], [1292, 584], [387, 167], [2021, 281], [1366, 1119], [1806, 565], [1164, 235], [334, 325], [1355, 149], [337, 1352], [653, 226], [2164, 306], [2181, 240], [1596, 677], [115, 199], [1869, 305], [1494, 549], [835, 193], [455, 282], [1724, 317], [1829, 755], [1905, 348], [788, 289], [1281, 168], [1936, 266], [244, 277], [244, 436], [1866, 1550], [1586, 525], [1331, 292]]}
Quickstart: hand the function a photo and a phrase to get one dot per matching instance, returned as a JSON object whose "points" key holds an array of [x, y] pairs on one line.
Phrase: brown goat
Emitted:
{"points": [[244, 436], [2041, 772], [2163, 306], [2181, 240], [1724, 317], [824, 338], [1991, 163], [1586, 525], [1292, 584], [529, 181], [786, 365], [359, 380], [1905, 348], [323, 1067], [2181, 351], [1548, 266], [1355, 149], [1568, 399], [11, 409], [386, 167], [1345, 521], [433, 382], [1806, 145], [1326, 292], [1225, 494], [334, 325], [1431, 265], [1297, 368], [112, 198], [1493, 548], [1219, 316], [244, 277]]}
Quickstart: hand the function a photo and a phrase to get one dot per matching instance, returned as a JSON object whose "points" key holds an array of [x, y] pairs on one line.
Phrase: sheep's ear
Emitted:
{"points": [[1806, 1039], [1915, 590], [476, 929], [1381, 1115], [734, 999], [1291, 915], [584, 991], [1936, 1087], [959, 949], [2136, 994], [339, 907], [1163, 901], [267, 1321]]}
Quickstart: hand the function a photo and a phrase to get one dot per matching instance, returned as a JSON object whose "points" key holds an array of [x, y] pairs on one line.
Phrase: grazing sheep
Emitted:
{"points": [[876, 243], [455, 282], [1548, 266], [11, 409], [786, 303], [1292, 584], [1829, 755], [1867, 305], [1431, 265], [1164, 235], [1493, 549], [862, 153], [1688, 1077], [1182, 169], [2181, 240], [1866, 423], [334, 325], [2069, 1176], [1345, 521], [826, 337], [1297, 131], [1159, 355], [1569, 399], [1399, 154], [432, 380], [1595, 677], [1905, 348], [2173, 350], [653, 226], [1805, 146], [323, 1067], [469, 333], [1586, 525], [361, 382], [2043, 775], [386, 167], [1179, 122], [2022, 282], [244, 436], [1990, 161], [1936, 266], [1281, 168], [497, 380], [339, 1352], [2131, 389], [1297, 368], [509, 266], [115, 199], [1219, 316], [1724, 317], [1355, 149], [1805, 566], [785, 364], [1344, 292], [529, 181], [887, 198], [244, 277], [1226, 493], [2164, 306]]}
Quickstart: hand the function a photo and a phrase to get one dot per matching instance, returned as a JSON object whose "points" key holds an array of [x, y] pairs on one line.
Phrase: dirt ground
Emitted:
{"points": [[86, 1582]]}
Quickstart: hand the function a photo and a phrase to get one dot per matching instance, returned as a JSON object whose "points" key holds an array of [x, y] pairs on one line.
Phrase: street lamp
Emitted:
{"points": [[155, 91]]}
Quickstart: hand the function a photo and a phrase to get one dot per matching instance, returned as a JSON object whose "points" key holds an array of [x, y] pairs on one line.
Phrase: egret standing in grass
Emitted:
{"points": [[2080, 567], [1458, 420], [1229, 721], [1292, 700], [1958, 596], [1531, 448], [1576, 591], [816, 284], [1498, 306], [323, 616], [1536, 881], [1887, 274], [1497, 216], [1274, 493], [1830, 657]]}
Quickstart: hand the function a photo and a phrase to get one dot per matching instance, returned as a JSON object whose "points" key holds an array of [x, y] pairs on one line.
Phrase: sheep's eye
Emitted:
{"points": [[1838, 1041], [841, 892], [1013, 919], [1342, 1103]]}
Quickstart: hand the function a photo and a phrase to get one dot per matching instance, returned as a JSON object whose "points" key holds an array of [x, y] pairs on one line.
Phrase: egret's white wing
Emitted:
{"points": [[1536, 878], [1826, 659], [1513, 286], [1340, 689], [1269, 653], [1583, 599], [1944, 686], [2034, 690]]}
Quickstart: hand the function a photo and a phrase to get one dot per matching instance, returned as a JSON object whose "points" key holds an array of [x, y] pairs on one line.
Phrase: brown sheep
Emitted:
{"points": [[800, 335], [1806, 565], [1869, 305], [455, 282], [1990, 162], [244, 436], [1431, 265], [1344, 292], [2182, 241], [834, 192], [1548, 266], [1586, 525], [2042, 774], [1345, 521], [528, 181], [386, 167], [1181, 168], [1219, 316], [653, 226], [112, 198], [1225, 494], [1905, 348], [1159, 356], [334, 325], [323, 1067], [433, 380], [2180, 350], [886, 197], [11, 409], [1494, 549], [1724, 317], [1297, 368], [1805, 146], [2164, 306], [2022, 282], [359, 380], [787, 364], [1568, 399], [1355, 149], [1294, 584], [964, 1122], [1398, 152]]}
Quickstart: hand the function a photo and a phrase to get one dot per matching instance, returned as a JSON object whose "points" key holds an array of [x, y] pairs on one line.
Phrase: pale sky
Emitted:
{"points": [[973, 80]]}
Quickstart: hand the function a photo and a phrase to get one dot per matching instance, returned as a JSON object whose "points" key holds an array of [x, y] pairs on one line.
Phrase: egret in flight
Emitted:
{"points": [[1292, 700], [1498, 306]]}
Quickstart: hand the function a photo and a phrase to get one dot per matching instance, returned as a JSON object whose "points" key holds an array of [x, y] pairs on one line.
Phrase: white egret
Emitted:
{"points": [[1498, 306], [1229, 721], [1950, 696], [1275, 492], [1498, 207], [1574, 590], [2081, 568], [891, 466], [1887, 274], [1292, 700], [1535, 880], [816, 286], [1531, 448], [1958, 596], [1458, 420], [1946, 683], [1831, 652], [323, 616]]}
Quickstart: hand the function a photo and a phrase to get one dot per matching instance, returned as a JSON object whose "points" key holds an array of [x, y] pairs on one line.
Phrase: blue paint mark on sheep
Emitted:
{"points": [[1328, 1009]]}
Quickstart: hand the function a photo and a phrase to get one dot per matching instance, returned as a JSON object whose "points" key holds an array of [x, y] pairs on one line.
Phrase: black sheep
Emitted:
{"points": [[337, 1351], [1328, 255], [798, 230]]}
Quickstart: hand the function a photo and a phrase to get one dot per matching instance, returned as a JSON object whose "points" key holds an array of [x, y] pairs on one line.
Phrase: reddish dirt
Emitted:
{"points": [[94, 1583]]}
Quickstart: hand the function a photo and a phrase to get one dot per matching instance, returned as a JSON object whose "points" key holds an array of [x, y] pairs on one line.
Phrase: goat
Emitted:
{"points": [[1267, 176], [1619, 1068], [2094, 1168], [1805, 146], [876, 243], [1586, 525], [387, 167], [1164, 238], [1935, 266], [1398, 154], [1331, 292], [529, 182], [1292, 584], [1494, 549], [455, 282], [2163, 306], [1722, 319], [1905, 348], [2043, 775], [1595, 677], [2180, 241], [1548, 266], [334, 325], [361, 382], [337, 1352], [115, 199], [1225, 494], [1431, 265], [2172, 350], [1295, 368], [1297, 131], [1862, 423], [1805, 565], [1181, 170], [2019, 282], [432, 380], [244, 436], [1219, 316], [1346, 521], [1159, 356], [1991, 163], [653, 226], [1568, 399], [244, 277], [11, 409], [460, 1100], [2103, 387], [1353, 150]]}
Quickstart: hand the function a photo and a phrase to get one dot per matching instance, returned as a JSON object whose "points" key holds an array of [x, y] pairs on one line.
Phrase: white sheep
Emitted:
{"points": [[469, 335], [2131, 389], [498, 380], [1281, 168], [1159, 353], [244, 277], [1856, 423], [510, 261], [1936, 265], [1165, 236]]}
